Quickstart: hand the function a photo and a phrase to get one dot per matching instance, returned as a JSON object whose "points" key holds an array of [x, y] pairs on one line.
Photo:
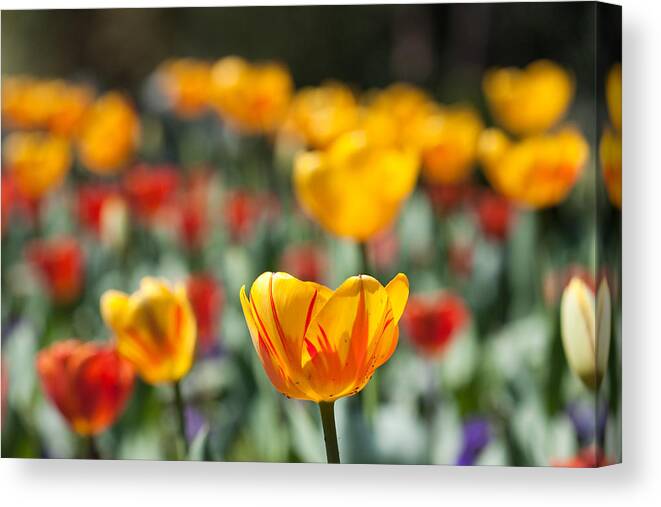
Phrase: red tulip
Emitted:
{"points": [[495, 214], [244, 210], [433, 321], [192, 208], [586, 458], [447, 198], [60, 264], [206, 298], [88, 382], [91, 200], [305, 261], [151, 189]]}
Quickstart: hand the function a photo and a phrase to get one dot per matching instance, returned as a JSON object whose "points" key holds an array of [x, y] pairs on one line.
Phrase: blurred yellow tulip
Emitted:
{"points": [[610, 155], [109, 134], [586, 330], [253, 97], [538, 171], [531, 100], [154, 328], [355, 188], [50, 104], [614, 95], [38, 161], [450, 145], [186, 83], [320, 115], [318, 344], [397, 115]]}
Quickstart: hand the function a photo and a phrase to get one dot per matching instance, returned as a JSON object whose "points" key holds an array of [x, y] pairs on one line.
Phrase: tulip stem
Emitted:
{"points": [[179, 402], [364, 259], [330, 433], [92, 448]]}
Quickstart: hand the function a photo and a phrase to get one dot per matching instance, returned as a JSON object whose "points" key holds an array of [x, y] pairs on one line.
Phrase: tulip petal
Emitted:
{"points": [[398, 293], [114, 305]]}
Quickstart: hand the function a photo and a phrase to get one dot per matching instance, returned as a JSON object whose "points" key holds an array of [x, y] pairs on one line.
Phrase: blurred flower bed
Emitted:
{"points": [[130, 226]]}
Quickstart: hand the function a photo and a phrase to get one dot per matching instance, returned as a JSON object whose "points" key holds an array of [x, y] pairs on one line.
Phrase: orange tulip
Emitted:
{"points": [[614, 95], [154, 328], [537, 172], [186, 84], [253, 97], [318, 344], [89, 383], [610, 155], [109, 134], [39, 162]]}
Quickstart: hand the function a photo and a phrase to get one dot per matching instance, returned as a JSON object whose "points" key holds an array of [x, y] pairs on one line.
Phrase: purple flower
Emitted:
{"points": [[477, 434], [194, 422], [586, 418]]}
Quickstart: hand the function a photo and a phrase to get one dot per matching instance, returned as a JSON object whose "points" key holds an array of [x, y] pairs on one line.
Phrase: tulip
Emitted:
{"points": [[536, 172], [38, 162], [186, 84], [610, 155], [103, 211], [356, 188], [88, 382], [150, 190], [206, 298], [531, 100], [60, 264], [155, 330], [321, 345], [320, 115], [450, 146], [433, 321], [305, 261], [447, 198], [586, 330], [243, 211], [109, 134], [494, 214], [252, 97], [192, 208], [588, 457], [53, 105], [398, 116], [614, 95]]}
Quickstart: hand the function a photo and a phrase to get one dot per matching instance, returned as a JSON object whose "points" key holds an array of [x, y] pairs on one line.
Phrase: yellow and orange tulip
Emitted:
{"points": [[186, 83], [109, 134], [450, 145], [318, 344], [531, 100], [356, 187], [252, 97], [614, 95], [536, 172], [610, 155], [38, 162], [154, 328], [320, 115]]}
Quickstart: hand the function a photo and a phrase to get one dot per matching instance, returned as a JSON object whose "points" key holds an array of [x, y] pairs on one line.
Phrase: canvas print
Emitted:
{"points": [[322, 234]]}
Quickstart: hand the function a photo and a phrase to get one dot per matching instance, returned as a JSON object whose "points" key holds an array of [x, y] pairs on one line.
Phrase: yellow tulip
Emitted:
{"points": [[51, 104], [614, 95], [355, 188], [318, 344], [38, 161], [396, 116], [320, 115], [450, 145], [610, 154], [586, 330], [531, 100], [109, 134], [154, 328], [186, 83], [538, 171], [252, 97]]}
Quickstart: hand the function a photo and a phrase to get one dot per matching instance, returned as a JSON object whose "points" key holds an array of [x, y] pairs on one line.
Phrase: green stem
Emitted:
{"points": [[179, 402], [330, 433], [364, 259], [92, 448]]}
